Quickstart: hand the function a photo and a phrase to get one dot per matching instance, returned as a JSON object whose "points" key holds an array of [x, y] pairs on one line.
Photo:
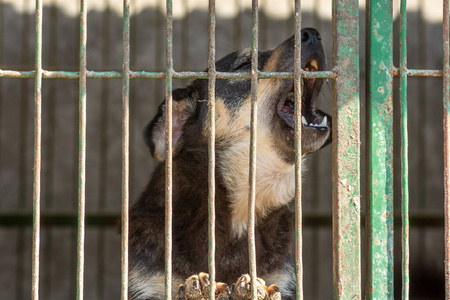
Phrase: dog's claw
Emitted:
{"points": [[197, 287], [242, 289]]}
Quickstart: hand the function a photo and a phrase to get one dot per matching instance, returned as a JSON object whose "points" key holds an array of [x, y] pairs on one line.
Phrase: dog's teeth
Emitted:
{"points": [[324, 122], [304, 121], [314, 64], [311, 124], [307, 69]]}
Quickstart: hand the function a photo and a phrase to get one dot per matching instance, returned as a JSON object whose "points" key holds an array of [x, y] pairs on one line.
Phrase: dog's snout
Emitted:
{"points": [[310, 36]]}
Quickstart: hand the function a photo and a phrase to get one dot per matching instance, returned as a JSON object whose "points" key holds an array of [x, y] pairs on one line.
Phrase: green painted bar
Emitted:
{"points": [[125, 147], [404, 150], [379, 225], [82, 152], [37, 156], [346, 152]]}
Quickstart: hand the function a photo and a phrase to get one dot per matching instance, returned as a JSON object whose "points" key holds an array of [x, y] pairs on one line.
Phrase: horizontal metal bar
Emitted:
{"points": [[162, 75], [19, 219], [418, 72], [200, 75]]}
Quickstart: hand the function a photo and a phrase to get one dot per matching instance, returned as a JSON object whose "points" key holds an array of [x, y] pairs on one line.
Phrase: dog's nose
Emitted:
{"points": [[310, 36]]}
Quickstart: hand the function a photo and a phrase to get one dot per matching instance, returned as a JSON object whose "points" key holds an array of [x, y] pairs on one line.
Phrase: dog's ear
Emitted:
{"points": [[183, 108]]}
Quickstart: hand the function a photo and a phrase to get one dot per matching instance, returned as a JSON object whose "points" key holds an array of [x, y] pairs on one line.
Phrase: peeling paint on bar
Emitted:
{"points": [[346, 152], [379, 222]]}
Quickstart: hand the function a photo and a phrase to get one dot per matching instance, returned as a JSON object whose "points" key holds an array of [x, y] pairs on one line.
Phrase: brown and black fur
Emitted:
{"points": [[274, 187]]}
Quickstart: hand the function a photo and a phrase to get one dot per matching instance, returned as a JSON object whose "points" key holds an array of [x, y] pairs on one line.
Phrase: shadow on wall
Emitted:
{"points": [[103, 193]]}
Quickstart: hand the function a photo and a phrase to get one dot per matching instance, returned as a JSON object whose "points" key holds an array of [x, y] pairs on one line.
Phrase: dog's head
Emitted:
{"points": [[233, 104]]}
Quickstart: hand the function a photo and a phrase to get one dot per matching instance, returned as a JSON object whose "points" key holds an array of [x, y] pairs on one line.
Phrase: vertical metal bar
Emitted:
{"points": [[380, 231], [125, 144], [82, 152], [346, 152], [212, 151], [103, 170], [253, 139], [404, 150], [298, 152], [168, 174], [37, 155], [446, 74]]}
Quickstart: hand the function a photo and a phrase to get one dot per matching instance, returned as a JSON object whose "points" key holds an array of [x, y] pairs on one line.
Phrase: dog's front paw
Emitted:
{"points": [[241, 290], [197, 287]]}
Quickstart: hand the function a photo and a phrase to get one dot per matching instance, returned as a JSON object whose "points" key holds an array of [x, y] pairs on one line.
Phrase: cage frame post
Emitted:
{"points": [[346, 152], [380, 204]]}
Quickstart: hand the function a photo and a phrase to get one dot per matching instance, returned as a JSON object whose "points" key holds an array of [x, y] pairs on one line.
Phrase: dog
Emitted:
{"points": [[275, 183]]}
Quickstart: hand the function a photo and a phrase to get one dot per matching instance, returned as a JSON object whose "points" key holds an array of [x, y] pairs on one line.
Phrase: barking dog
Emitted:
{"points": [[275, 186]]}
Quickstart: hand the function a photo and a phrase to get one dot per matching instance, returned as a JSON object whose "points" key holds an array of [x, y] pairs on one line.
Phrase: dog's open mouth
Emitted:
{"points": [[311, 118]]}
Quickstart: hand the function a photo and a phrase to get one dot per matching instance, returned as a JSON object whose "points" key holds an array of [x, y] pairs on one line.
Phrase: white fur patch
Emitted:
{"points": [[284, 279], [144, 286], [275, 178], [275, 183]]}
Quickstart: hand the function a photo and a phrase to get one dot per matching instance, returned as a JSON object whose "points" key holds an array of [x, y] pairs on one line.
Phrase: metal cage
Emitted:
{"points": [[345, 75]]}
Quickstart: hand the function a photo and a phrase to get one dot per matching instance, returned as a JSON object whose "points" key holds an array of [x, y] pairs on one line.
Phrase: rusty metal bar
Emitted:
{"points": [[253, 142], [82, 152], [346, 152], [168, 171], [178, 75], [37, 155], [404, 150], [125, 145], [446, 83], [298, 152], [379, 222], [418, 72], [211, 146], [200, 75]]}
